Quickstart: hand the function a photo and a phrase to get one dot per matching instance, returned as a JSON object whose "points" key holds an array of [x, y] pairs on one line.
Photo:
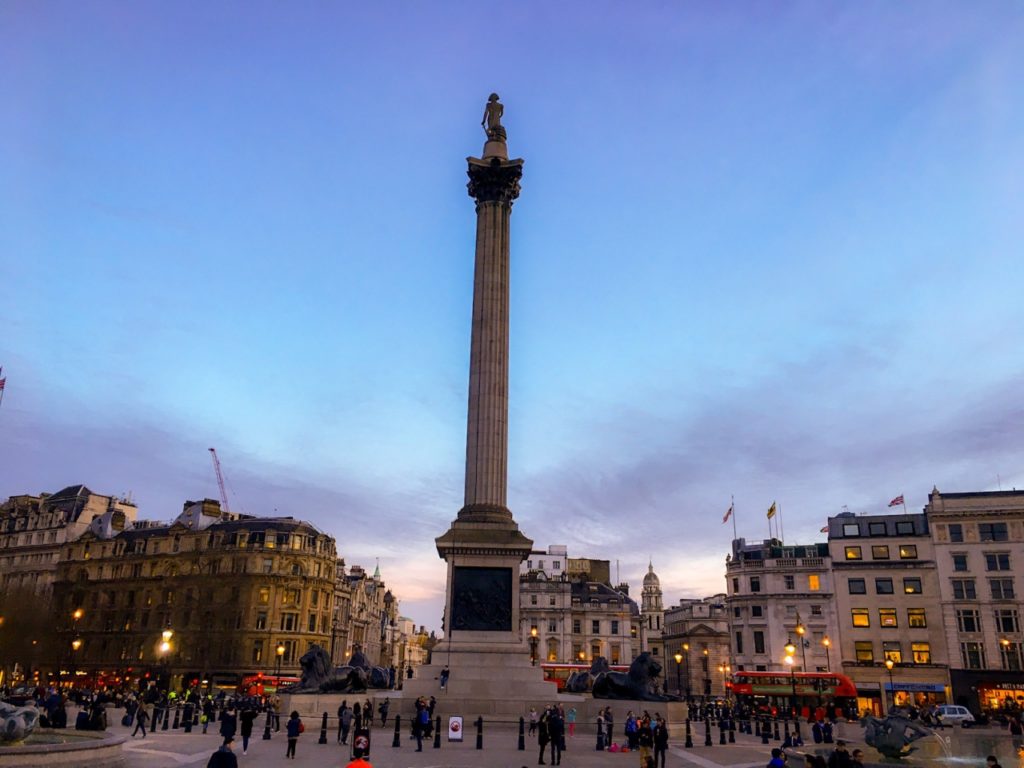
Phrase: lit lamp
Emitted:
{"points": [[533, 646], [792, 680], [280, 656], [686, 651], [889, 664], [679, 674], [583, 656], [707, 674], [828, 662], [725, 669], [800, 630], [75, 645]]}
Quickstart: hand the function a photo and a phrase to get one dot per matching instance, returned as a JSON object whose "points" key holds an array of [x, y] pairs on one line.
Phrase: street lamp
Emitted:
{"points": [[280, 656], [75, 645], [889, 664], [689, 694], [800, 630], [707, 674], [533, 646], [725, 669], [828, 662], [679, 676], [792, 681], [165, 649]]}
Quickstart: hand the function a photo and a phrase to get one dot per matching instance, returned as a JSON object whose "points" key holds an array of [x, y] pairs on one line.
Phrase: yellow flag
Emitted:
{"points": [[771, 511]]}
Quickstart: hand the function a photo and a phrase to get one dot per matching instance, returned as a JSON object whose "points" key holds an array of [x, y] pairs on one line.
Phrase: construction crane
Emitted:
{"points": [[220, 480]]}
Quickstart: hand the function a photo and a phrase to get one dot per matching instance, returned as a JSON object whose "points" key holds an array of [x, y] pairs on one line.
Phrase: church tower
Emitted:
{"points": [[652, 614]]}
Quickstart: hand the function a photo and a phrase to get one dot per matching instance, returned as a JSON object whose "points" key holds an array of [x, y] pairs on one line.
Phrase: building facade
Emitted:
{"points": [[979, 548], [652, 615], [698, 659], [889, 609], [780, 594]]}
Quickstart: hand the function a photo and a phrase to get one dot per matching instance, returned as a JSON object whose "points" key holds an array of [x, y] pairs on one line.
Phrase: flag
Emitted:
{"points": [[897, 501], [824, 529], [728, 514], [771, 511]]}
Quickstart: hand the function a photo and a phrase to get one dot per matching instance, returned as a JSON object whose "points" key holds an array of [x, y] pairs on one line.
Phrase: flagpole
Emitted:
{"points": [[782, 534], [902, 496], [732, 505]]}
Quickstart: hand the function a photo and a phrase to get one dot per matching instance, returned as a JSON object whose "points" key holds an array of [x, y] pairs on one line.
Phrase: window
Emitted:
{"points": [[891, 651], [533, 599], [1009, 654], [1007, 620], [737, 612], [758, 641], [311, 623], [921, 653], [739, 642], [1002, 589], [857, 586], [992, 532], [887, 617], [595, 650], [876, 529], [861, 617], [916, 618], [973, 655], [880, 552], [755, 583], [529, 564], [576, 628], [552, 601], [556, 564], [956, 533], [756, 611], [851, 529], [968, 620], [908, 551], [853, 553], [883, 586], [735, 585], [261, 620], [257, 651], [865, 651], [963, 589], [815, 610], [552, 625], [268, 565], [289, 622], [264, 595], [595, 627], [904, 528], [790, 582], [615, 627], [959, 561], [813, 582], [912, 586], [997, 561]]}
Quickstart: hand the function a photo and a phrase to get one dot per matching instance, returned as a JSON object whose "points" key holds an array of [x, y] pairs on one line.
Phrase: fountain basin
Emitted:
{"points": [[56, 748]]}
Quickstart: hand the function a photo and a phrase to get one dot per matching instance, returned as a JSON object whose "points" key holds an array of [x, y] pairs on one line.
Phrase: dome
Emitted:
{"points": [[651, 579]]}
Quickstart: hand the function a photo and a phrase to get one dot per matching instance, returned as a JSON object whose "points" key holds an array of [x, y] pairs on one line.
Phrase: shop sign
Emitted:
{"points": [[917, 687]]}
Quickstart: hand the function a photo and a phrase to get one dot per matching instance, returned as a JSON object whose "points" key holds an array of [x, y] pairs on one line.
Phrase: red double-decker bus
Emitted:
{"points": [[776, 691], [557, 673], [263, 685]]}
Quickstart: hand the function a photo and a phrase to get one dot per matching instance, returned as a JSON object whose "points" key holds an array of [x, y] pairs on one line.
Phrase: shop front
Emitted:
{"points": [[918, 695], [989, 691]]}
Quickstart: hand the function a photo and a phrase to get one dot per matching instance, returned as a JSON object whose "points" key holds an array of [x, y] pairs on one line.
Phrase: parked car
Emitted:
{"points": [[951, 714]]}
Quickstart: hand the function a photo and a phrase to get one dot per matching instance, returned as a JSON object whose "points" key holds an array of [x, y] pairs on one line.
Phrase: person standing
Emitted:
{"points": [[294, 729], [644, 740], [228, 723], [660, 742], [570, 721], [542, 737], [247, 716], [208, 713], [344, 722], [556, 732], [383, 709], [533, 721], [422, 723], [357, 715], [444, 677], [223, 757]]}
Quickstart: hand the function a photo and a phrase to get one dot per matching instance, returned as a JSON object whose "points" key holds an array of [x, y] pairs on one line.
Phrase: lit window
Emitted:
{"points": [[853, 553], [891, 652], [912, 586], [916, 618], [861, 617], [814, 582], [887, 617], [908, 552], [922, 653], [865, 651], [880, 553]]}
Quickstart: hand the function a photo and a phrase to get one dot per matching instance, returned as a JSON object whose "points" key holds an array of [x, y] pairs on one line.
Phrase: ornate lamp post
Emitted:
{"points": [[533, 646], [725, 669], [889, 664], [165, 649], [679, 675], [280, 656], [792, 681], [75, 645], [828, 662]]}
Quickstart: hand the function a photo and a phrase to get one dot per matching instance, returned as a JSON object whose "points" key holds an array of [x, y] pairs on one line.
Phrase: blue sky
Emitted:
{"points": [[769, 251]]}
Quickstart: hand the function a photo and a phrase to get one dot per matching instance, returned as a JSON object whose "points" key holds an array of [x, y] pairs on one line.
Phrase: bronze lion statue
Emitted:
{"points": [[637, 684]]}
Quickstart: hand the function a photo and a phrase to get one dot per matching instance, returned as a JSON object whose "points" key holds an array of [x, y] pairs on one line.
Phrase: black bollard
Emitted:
{"points": [[437, 732], [323, 730], [177, 719], [600, 736], [777, 737], [721, 733], [187, 722], [397, 741], [707, 732], [764, 732], [757, 727], [796, 730], [480, 732], [522, 734], [266, 729], [167, 720], [732, 731], [785, 732], [689, 736]]}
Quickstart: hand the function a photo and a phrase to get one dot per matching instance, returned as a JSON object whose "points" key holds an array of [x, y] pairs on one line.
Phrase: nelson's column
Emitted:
{"points": [[483, 646]]}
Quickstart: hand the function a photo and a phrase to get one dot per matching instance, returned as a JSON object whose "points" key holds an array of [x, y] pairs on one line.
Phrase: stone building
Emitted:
{"points": [[888, 608], [697, 631], [979, 548], [779, 594], [229, 590], [34, 528], [570, 617]]}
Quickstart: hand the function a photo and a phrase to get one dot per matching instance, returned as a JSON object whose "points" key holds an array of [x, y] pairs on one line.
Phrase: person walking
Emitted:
{"points": [[141, 718], [247, 716], [422, 723], [228, 723], [208, 713], [344, 722], [294, 729], [224, 757]]}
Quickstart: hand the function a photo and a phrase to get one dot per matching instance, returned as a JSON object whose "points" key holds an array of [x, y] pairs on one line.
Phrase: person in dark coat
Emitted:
{"points": [[556, 732], [247, 716], [294, 728], [543, 736], [223, 757], [228, 724], [660, 742], [344, 722]]}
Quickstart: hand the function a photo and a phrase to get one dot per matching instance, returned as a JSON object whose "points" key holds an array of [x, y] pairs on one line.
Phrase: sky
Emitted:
{"points": [[763, 252]]}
